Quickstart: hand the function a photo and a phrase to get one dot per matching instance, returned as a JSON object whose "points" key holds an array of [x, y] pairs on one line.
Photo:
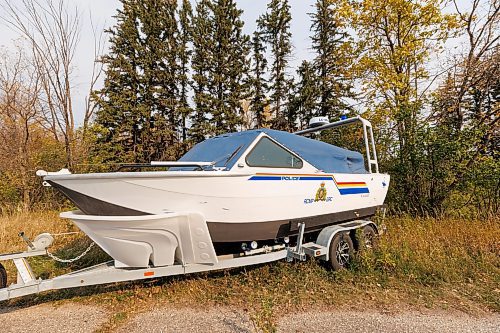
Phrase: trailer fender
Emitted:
{"points": [[326, 235]]}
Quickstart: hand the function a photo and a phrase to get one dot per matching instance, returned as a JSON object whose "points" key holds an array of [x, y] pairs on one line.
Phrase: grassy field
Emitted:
{"points": [[434, 263]]}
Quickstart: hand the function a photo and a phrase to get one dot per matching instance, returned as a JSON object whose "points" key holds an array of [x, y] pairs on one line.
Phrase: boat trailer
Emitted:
{"points": [[113, 270]]}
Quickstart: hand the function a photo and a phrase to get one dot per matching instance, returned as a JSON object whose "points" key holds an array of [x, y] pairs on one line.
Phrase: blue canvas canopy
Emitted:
{"points": [[225, 150]]}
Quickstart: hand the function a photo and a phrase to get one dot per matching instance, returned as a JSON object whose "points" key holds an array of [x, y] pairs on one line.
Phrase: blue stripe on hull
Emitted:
{"points": [[265, 178], [354, 190]]}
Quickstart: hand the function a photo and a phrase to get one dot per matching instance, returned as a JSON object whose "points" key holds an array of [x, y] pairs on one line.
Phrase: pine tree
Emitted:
{"points": [[120, 117], [275, 26], [231, 49], [160, 68], [258, 81], [220, 65], [200, 64], [184, 54], [334, 53], [291, 108], [137, 112], [307, 93]]}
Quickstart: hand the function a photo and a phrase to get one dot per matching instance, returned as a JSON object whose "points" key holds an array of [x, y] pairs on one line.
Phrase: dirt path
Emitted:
{"points": [[71, 317]]}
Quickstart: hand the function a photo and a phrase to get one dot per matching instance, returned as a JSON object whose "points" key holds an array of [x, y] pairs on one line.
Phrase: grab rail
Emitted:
{"points": [[371, 154], [156, 164]]}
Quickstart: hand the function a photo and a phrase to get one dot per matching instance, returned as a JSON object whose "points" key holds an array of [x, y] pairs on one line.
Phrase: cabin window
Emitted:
{"points": [[268, 154]]}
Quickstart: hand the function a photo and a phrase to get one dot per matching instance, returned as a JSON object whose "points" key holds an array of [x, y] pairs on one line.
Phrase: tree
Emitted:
{"points": [[231, 70], [482, 40], [465, 116], [120, 116], [220, 66], [52, 31], [334, 57], [26, 144], [200, 64], [398, 38], [20, 110], [258, 81], [185, 38], [138, 117], [275, 28], [305, 103], [158, 50]]}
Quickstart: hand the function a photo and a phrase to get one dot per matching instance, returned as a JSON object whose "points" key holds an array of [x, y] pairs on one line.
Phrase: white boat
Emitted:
{"points": [[248, 186]]}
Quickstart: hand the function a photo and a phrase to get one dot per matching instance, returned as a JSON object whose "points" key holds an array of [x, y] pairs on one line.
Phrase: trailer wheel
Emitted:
{"points": [[369, 238], [341, 251], [3, 277]]}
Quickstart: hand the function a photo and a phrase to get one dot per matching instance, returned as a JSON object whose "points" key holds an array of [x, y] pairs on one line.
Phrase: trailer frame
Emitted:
{"points": [[104, 273]]}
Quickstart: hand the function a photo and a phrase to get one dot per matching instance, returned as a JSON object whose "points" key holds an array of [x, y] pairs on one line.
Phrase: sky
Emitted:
{"points": [[102, 12]]}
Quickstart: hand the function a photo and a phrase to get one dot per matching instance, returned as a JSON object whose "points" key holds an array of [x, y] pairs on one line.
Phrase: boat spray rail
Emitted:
{"points": [[371, 152]]}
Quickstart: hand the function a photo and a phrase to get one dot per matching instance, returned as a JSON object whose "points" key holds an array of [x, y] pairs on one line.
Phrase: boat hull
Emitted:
{"points": [[223, 232], [236, 207]]}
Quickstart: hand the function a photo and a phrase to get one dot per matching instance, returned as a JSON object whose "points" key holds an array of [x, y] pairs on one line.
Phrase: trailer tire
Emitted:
{"points": [[368, 238], [3, 277], [341, 251]]}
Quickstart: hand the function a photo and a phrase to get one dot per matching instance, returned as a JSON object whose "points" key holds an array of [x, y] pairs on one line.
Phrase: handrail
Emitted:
{"points": [[367, 136], [339, 123], [180, 163], [157, 164]]}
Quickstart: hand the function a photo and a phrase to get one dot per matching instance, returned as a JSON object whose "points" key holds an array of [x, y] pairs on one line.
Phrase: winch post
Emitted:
{"points": [[300, 239]]}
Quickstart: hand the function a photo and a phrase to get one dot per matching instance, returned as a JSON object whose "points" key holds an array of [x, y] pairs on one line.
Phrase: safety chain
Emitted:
{"points": [[71, 260]]}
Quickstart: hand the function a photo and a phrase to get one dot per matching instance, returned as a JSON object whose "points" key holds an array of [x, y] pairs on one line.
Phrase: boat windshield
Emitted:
{"points": [[223, 150]]}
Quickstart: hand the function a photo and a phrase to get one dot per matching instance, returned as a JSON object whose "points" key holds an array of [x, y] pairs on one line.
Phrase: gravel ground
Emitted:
{"points": [[70, 317], [48, 318], [225, 320], [215, 320], [370, 321]]}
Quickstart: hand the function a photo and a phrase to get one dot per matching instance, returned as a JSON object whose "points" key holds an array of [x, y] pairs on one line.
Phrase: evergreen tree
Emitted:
{"points": [[137, 112], [291, 108], [184, 54], [120, 116], [231, 49], [200, 64], [220, 65], [275, 26], [258, 81], [160, 69], [305, 103], [334, 53]]}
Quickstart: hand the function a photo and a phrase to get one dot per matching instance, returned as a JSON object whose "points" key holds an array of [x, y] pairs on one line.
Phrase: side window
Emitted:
{"points": [[268, 154]]}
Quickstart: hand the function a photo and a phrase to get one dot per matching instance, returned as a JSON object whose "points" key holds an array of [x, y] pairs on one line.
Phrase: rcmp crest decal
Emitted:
{"points": [[321, 193]]}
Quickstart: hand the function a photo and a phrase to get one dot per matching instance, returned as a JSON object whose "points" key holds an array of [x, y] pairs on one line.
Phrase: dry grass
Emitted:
{"points": [[443, 263], [32, 224], [35, 223]]}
